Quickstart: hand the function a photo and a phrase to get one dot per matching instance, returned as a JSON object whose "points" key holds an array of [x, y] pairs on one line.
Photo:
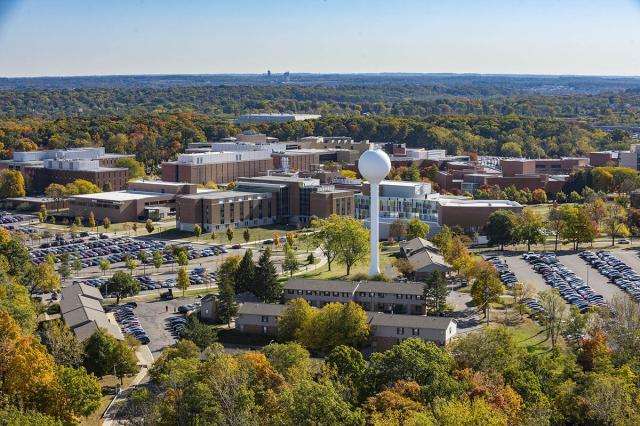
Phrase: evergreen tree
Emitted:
{"points": [[266, 279], [435, 292], [228, 307], [246, 274]]}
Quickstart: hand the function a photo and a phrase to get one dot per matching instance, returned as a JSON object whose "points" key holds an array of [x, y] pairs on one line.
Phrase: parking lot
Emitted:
{"points": [[591, 276], [154, 317]]}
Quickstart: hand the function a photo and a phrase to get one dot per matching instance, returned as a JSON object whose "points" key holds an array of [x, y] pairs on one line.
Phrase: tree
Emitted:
{"points": [[326, 238], [136, 169], [539, 196], [56, 192], [157, 259], [228, 306], [11, 184], [134, 228], [77, 265], [143, 258], [352, 240], [290, 260], [348, 363], [92, 221], [213, 236], [556, 223], [398, 230], [316, 403], [615, 222], [106, 223], [246, 235], [333, 325], [502, 228], [291, 359], [123, 359], [521, 291], [404, 267], [149, 226], [199, 333], [266, 285], [81, 186], [529, 228], [76, 394], [98, 349], [42, 214], [182, 258], [416, 360], [486, 288], [131, 265], [61, 343], [436, 292], [16, 254], [417, 229], [41, 277], [197, 231], [553, 314], [229, 233], [245, 279], [578, 226], [123, 285], [183, 280], [104, 265]]}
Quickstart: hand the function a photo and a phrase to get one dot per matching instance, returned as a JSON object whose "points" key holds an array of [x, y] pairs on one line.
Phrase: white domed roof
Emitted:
{"points": [[374, 165]]}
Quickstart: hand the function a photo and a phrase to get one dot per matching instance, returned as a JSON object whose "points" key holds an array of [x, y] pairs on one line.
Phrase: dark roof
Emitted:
{"points": [[417, 244], [391, 287], [323, 285], [354, 286], [81, 289], [411, 321], [261, 309]]}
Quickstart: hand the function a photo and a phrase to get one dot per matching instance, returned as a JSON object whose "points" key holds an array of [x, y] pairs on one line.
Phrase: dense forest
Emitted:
{"points": [[156, 137], [157, 116], [398, 100]]}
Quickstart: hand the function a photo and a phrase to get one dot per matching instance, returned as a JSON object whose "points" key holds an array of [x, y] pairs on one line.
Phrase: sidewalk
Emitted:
{"points": [[111, 412]]}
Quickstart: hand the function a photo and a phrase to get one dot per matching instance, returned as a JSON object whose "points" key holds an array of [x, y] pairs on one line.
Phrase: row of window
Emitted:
{"points": [[359, 293]]}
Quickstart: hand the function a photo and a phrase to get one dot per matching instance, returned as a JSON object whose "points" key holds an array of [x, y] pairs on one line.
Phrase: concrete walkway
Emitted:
{"points": [[111, 411]]}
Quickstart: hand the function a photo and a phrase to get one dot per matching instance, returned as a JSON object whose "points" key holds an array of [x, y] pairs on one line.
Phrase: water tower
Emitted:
{"points": [[374, 166]]}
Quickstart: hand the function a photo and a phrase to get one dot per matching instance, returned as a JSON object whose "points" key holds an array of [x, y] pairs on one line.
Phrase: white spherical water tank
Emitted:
{"points": [[374, 166]]}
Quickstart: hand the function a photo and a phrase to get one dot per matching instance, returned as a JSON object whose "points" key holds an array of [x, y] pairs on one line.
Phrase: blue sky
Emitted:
{"points": [[99, 37]]}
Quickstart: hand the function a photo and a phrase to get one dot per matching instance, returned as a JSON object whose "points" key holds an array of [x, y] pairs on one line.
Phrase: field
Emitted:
{"points": [[339, 272]]}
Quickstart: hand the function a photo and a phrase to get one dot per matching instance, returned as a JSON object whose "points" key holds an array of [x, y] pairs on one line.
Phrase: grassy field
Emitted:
{"points": [[339, 272], [220, 237]]}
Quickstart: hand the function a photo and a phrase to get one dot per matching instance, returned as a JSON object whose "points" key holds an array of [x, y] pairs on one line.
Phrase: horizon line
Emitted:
{"points": [[292, 73]]}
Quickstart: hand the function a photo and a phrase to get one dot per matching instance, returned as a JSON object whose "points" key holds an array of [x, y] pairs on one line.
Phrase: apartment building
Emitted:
{"points": [[386, 330], [374, 296], [259, 318]]}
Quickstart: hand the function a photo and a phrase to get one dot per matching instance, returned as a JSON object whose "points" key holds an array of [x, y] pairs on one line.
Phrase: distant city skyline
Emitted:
{"points": [[119, 37]]}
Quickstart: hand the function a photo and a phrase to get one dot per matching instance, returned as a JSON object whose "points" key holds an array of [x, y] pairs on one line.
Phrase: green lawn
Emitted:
{"points": [[339, 272], [256, 234]]}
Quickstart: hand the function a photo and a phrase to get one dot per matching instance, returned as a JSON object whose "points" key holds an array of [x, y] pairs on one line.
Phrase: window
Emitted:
{"points": [[264, 329], [336, 294], [264, 318], [415, 331], [400, 330]]}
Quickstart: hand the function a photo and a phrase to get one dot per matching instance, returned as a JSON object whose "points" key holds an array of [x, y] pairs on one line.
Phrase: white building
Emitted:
{"points": [[275, 118]]}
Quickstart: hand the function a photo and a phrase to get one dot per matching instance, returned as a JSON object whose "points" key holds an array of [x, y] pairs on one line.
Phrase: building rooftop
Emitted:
{"points": [[121, 195], [322, 285], [271, 309], [478, 203], [223, 194], [391, 287], [410, 321]]}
